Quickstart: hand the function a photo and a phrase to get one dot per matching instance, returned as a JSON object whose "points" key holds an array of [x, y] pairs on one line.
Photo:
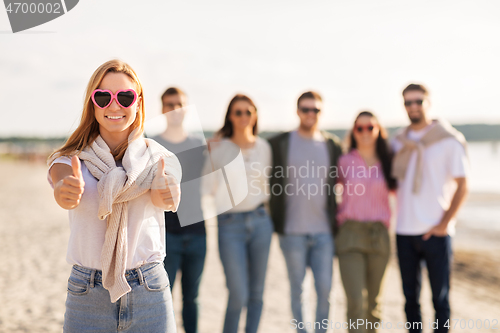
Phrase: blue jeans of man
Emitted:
{"points": [[244, 241], [187, 253], [315, 251], [437, 254]]}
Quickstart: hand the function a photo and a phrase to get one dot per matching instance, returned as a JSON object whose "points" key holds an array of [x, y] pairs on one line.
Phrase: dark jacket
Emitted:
{"points": [[277, 203]]}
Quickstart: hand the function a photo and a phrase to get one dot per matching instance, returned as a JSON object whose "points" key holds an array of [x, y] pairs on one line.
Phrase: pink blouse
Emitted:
{"points": [[365, 196]]}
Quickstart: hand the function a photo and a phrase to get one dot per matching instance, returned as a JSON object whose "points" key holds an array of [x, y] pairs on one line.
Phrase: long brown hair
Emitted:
{"points": [[384, 153], [88, 129], [227, 129]]}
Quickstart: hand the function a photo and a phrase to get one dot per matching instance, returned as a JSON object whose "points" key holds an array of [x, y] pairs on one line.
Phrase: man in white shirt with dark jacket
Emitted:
{"points": [[431, 167]]}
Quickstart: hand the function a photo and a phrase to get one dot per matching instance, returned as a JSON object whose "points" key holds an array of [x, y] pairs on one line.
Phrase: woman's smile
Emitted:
{"points": [[114, 118]]}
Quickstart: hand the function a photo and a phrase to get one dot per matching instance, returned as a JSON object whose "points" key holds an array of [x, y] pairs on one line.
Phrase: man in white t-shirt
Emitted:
{"points": [[431, 166]]}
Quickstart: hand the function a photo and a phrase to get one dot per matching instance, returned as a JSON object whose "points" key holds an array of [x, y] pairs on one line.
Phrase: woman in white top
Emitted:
{"points": [[240, 163], [116, 185]]}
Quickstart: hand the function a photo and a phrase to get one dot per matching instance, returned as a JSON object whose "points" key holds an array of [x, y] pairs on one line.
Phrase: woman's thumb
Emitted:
{"points": [[76, 166], [161, 167]]}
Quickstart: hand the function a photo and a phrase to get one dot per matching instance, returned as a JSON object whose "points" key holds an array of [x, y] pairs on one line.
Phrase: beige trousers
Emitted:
{"points": [[363, 250]]}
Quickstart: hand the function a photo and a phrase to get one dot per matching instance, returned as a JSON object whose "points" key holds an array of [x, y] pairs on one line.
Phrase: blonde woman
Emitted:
{"points": [[116, 185]]}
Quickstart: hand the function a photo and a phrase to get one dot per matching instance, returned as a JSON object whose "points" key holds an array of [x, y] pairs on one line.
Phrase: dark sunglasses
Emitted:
{"points": [[239, 113], [368, 128], [103, 98], [417, 101], [173, 106], [307, 110]]}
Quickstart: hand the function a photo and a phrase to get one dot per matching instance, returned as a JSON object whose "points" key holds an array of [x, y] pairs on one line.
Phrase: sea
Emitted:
{"points": [[484, 178]]}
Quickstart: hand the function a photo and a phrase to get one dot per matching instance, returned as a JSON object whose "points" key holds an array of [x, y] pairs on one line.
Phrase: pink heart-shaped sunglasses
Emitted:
{"points": [[103, 98]]}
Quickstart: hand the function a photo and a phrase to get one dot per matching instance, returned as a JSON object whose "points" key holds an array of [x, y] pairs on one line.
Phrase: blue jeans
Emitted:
{"points": [[187, 253], [437, 254], [147, 308], [244, 241], [315, 251]]}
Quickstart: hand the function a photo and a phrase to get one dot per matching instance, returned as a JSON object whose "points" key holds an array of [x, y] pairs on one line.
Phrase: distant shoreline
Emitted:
{"points": [[472, 133]]}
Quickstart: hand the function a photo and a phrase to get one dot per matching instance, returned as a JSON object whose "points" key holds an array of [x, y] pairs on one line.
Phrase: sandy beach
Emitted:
{"points": [[33, 271]]}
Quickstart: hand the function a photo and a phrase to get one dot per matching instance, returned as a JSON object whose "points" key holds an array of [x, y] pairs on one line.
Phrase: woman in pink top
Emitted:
{"points": [[363, 245]]}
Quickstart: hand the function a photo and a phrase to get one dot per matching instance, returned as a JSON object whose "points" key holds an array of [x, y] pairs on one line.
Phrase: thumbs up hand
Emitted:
{"points": [[165, 190], [69, 190]]}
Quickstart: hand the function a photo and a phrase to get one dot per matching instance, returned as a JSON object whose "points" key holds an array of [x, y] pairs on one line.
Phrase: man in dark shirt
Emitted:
{"points": [[305, 219]]}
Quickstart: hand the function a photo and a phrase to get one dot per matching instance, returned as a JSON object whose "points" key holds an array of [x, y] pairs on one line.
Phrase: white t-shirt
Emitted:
{"points": [[442, 161], [145, 229], [254, 164]]}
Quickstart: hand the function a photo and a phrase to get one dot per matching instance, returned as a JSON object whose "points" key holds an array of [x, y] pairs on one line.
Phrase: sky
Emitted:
{"points": [[358, 55]]}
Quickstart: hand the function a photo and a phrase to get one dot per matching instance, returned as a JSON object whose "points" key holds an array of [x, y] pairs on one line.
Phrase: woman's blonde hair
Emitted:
{"points": [[88, 129]]}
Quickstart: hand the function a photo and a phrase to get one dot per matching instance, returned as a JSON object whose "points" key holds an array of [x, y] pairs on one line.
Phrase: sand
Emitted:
{"points": [[33, 271]]}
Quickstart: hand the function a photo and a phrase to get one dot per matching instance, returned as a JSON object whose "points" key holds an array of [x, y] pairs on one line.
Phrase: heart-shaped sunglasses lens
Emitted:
{"points": [[102, 98], [126, 98]]}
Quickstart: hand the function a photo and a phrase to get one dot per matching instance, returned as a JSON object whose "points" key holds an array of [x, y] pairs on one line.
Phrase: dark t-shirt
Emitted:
{"points": [[189, 215]]}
